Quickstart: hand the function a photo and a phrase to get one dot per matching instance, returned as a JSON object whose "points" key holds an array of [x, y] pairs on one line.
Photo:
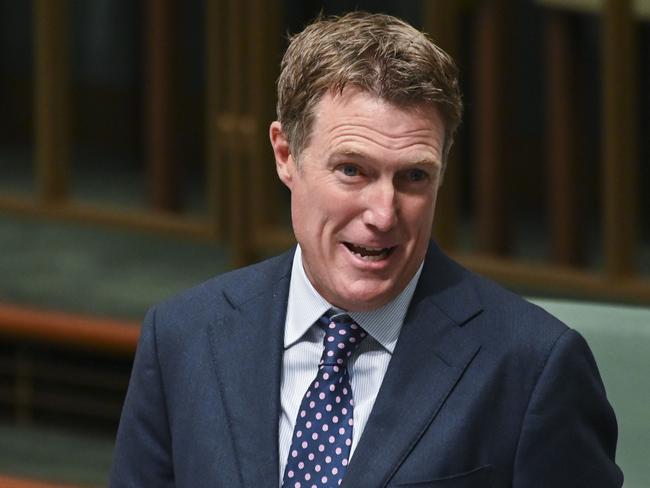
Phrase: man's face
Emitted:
{"points": [[363, 198]]}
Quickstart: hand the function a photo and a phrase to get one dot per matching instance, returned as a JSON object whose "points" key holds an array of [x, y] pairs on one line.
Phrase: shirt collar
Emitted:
{"points": [[306, 305]]}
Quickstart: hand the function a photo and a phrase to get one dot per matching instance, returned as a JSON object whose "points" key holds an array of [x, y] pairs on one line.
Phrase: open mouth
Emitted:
{"points": [[369, 253]]}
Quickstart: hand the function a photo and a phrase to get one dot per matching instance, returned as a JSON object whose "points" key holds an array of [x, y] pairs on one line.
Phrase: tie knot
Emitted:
{"points": [[342, 338]]}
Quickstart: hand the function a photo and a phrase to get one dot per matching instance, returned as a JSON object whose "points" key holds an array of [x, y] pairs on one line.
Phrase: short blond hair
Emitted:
{"points": [[377, 53]]}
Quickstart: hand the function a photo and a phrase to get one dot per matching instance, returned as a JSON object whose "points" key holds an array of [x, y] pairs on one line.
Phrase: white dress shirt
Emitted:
{"points": [[303, 347]]}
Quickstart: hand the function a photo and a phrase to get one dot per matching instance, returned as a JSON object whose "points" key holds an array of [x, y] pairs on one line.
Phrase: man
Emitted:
{"points": [[364, 357]]}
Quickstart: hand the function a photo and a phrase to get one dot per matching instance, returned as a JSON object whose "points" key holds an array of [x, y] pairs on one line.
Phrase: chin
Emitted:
{"points": [[366, 300]]}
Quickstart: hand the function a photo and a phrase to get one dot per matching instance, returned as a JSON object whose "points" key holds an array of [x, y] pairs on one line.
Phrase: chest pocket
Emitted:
{"points": [[476, 478]]}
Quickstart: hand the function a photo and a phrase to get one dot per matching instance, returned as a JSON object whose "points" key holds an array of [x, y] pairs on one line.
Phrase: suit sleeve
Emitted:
{"points": [[142, 455], [568, 436]]}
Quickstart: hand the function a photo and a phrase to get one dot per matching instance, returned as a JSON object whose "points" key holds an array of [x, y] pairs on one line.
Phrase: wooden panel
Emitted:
{"points": [[641, 8], [69, 329], [561, 135], [162, 167], [51, 104], [489, 128], [441, 21], [619, 138]]}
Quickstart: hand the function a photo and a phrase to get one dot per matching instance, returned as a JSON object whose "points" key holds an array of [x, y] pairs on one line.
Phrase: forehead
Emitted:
{"points": [[357, 117]]}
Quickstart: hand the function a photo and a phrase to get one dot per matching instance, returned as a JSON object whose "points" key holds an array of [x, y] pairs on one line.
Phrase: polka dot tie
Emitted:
{"points": [[322, 437]]}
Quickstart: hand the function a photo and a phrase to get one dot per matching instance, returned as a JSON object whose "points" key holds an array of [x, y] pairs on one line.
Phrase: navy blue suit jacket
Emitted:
{"points": [[483, 390]]}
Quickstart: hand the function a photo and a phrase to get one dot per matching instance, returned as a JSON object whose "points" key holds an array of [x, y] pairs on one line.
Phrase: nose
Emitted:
{"points": [[381, 207]]}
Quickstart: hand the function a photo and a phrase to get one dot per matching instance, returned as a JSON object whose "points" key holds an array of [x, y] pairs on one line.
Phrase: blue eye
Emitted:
{"points": [[416, 175], [350, 170]]}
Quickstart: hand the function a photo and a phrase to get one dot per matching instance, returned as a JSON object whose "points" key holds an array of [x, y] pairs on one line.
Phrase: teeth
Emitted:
{"points": [[369, 253]]}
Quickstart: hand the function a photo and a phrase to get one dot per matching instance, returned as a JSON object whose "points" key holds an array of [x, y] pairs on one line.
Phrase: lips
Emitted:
{"points": [[369, 253]]}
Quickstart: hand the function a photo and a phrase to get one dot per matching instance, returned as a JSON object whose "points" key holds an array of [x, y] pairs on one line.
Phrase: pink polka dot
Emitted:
{"points": [[324, 479], [341, 431], [314, 436], [338, 451], [344, 462], [352, 339], [342, 332], [337, 399], [341, 345], [321, 396], [319, 415], [301, 465], [339, 361], [331, 439], [326, 376], [307, 476], [336, 368], [316, 384], [311, 456], [312, 404], [299, 433], [303, 413], [297, 485], [344, 411], [290, 474], [350, 422], [317, 468], [308, 424], [335, 419], [335, 470], [332, 325], [332, 387], [294, 453], [348, 442], [330, 339], [354, 326], [325, 427], [321, 448], [308, 394], [328, 407], [330, 354], [328, 459], [304, 444]]}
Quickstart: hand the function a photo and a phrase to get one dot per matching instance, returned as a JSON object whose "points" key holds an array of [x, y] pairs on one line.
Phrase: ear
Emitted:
{"points": [[284, 163]]}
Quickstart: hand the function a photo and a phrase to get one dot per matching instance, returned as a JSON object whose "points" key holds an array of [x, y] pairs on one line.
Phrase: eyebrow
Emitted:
{"points": [[354, 154]]}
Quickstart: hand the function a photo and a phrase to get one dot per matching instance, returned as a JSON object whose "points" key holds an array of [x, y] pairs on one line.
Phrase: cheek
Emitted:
{"points": [[419, 213]]}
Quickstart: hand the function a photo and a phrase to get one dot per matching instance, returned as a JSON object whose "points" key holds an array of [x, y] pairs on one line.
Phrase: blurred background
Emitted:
{"points": [[134, 162]]}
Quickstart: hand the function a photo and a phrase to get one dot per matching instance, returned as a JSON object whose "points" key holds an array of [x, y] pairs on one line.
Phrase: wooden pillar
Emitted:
{"points": [[264, 64], [215, 28], [238, 193], [52, 100], [561, 135], [489, 127], [619, 137], [441, 21], [162, 168]]}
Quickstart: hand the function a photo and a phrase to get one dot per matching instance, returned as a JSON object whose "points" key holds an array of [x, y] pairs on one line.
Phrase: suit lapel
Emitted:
{"points": [[431, 355], [247, 344]]}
